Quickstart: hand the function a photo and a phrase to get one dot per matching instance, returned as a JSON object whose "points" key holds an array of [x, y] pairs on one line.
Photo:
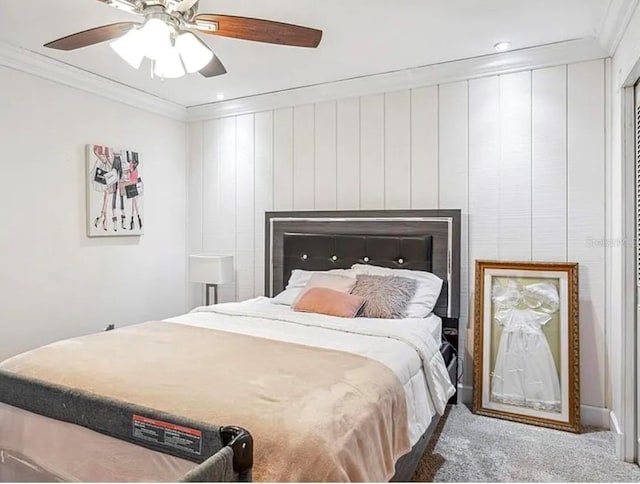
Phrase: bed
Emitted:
{"points": [[37, 443]]}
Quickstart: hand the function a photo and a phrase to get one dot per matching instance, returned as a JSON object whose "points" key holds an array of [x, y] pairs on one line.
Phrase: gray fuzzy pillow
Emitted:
{"points": [[386, 297]]}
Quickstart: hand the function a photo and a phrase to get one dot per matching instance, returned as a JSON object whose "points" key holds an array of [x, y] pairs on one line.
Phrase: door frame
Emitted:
{"points": [[630, 336]]}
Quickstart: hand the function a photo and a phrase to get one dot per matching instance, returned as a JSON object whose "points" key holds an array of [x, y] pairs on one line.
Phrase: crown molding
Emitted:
{"points": [[532, 58], [39, 65], [517, 60], [615, 23]]}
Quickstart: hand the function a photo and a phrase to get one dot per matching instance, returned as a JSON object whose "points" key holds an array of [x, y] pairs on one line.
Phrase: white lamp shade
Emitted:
{"points": [[195, 54], [169, 66], [129, 47], [211, 269], [155, 38]]}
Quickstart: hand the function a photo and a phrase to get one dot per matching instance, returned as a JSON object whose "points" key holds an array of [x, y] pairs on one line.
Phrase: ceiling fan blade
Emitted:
{"points": [[258, 30], [214, 68], [91, 36]]}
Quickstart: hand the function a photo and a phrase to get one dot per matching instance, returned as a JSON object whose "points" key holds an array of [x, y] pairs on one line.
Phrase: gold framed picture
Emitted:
{"points": [[526, 356]]}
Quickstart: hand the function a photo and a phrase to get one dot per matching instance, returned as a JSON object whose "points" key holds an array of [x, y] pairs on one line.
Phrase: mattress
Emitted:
{"points": [[47, 447]]}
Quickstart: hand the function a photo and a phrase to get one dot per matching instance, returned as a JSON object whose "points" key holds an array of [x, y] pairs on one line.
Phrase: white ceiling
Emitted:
{"points": [[361, 37]]}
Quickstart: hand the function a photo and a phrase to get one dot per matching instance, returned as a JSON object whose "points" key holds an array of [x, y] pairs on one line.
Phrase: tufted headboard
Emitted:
{"points": [[427, 240], [319, 252]]}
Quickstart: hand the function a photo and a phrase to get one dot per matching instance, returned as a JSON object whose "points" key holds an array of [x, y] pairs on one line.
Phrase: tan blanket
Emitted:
{"points": [[315, 414]]}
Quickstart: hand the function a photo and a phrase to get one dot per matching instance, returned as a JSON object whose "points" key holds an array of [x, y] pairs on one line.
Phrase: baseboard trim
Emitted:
{"points": [[618, 435], [590, 416], [595, 417], [614, 424], [465, 394]]}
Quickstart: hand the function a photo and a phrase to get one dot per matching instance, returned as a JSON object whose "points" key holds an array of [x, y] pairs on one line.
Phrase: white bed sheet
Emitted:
{"points": [[260, 317]]}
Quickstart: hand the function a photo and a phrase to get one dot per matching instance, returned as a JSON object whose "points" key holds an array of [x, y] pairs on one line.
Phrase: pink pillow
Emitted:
{"points": [[322, 300]]}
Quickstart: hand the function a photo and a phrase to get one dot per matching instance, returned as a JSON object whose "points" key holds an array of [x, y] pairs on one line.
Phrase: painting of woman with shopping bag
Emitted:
{"points": [[114, 188]]}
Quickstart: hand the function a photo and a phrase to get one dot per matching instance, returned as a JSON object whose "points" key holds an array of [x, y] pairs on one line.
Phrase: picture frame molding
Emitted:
{"points": [[573, 303]]}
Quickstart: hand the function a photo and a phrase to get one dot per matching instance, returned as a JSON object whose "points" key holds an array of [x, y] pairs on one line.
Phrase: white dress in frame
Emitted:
{"points": [[525, 373]]}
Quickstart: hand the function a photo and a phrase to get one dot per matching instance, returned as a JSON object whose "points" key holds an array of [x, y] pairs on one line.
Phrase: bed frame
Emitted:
{"points": [[427, 240]]}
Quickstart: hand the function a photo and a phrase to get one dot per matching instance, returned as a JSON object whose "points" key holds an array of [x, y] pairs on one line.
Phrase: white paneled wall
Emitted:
{"points": [[326, 156], [263, 190], [549, 164], [397, 147], [282, 160], [372, 152], [586, 215], [304, 163], [423, 158], [522, 155], [452, 165]]}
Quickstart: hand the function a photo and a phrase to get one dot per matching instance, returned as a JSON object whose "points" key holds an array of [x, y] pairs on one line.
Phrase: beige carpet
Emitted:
{"points": [[470, 448]]}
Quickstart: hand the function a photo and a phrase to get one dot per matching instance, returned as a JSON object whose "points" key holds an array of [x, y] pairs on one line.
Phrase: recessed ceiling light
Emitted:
{"points": [[220, 96], [502, 46]]}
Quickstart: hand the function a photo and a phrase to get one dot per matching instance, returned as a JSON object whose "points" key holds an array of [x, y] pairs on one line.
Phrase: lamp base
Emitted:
{"points": [[208, 294]]}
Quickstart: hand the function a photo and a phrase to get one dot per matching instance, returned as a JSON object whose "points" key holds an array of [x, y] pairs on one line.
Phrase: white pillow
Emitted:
{"points": [[299, 279], [427, 291]]}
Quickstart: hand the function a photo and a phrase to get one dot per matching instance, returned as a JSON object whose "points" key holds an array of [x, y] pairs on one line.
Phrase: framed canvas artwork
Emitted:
{"points": [[115, 192], [526, 356]]}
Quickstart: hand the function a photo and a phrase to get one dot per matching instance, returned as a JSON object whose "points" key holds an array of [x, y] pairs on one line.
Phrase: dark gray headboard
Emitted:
{"points": [[426, 240]]}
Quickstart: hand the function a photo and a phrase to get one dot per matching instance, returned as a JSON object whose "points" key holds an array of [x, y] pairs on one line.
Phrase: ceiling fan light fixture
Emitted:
{"points": [[194, 53], [156, 38], [169, 66], [129, 48]]}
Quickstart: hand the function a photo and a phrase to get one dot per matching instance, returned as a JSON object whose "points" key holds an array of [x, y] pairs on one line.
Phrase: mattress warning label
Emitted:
{"points": [[167, 434]]}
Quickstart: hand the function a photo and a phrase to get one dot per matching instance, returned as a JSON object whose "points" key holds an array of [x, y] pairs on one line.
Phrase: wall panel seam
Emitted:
{"points": [[438, 149], [360, 152], [273, 159], [315, 133], [566, 162], [293, 158], [411, 154], [531, 165], [470, 262], [336, 183], [500, 163], [605, 329], [202, 167], [384, 150], [237, 283], [437, 140], [253, 225]]}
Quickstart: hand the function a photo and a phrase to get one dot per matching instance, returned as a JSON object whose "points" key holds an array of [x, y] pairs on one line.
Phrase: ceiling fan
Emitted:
{"points": [[166, 36]]}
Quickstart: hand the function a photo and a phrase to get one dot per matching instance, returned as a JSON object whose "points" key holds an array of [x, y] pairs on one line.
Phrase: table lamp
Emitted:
{"points": [[211, 270]]}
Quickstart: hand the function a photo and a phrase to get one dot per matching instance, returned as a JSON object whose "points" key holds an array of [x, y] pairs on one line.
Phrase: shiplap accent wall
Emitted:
{"points": [[521, 154]]}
